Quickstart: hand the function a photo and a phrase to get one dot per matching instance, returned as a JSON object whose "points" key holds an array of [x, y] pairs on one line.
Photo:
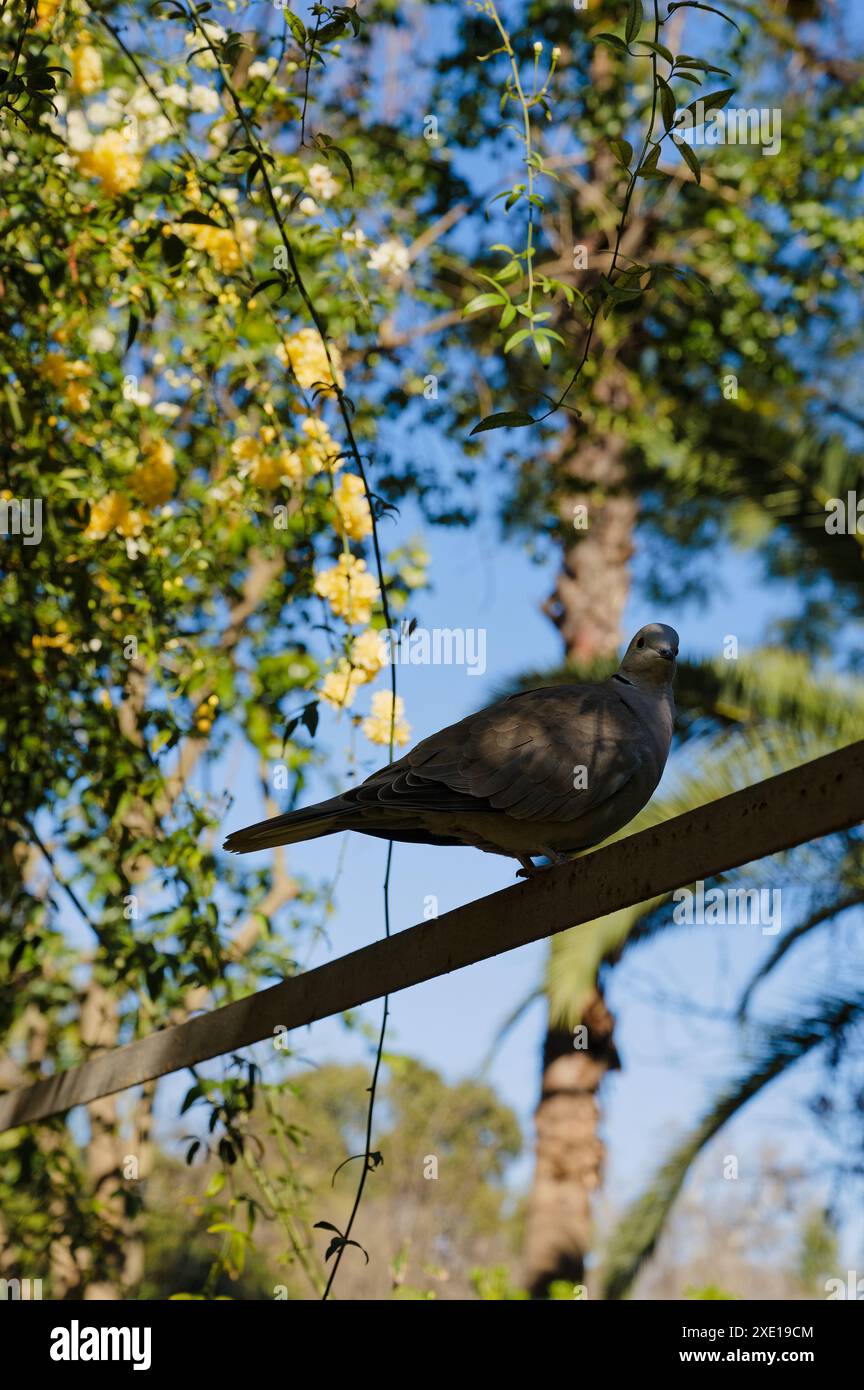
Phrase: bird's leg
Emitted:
{"points": [[555, 857], [530, 869]]}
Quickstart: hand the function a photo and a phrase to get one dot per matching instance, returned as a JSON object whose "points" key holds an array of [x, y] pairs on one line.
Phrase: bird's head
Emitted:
{"points": [[650, 658]]}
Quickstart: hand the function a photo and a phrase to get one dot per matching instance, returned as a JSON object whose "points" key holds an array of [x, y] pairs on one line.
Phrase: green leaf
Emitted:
{"points": [[667, 103], [689, 157], [193, 215], [215, 1185], [714, 101], [516, 338], [623, 151], [503, 420], [649, 163], [543, 348], [634, 20], [297, 27], [696, 5], [612, 41], [507, 316], [685, 61], [483, 301], [173, 251], [659, 48]]}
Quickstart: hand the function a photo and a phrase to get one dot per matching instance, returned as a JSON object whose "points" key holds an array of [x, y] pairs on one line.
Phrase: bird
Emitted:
{"points": [[545, 773]]}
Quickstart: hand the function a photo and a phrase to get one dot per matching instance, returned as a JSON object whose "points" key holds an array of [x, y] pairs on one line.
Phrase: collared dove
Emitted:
{"points": [[546, 772]]}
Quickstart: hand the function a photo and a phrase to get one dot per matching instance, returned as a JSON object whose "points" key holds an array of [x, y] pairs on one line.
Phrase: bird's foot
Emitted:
{"points": [[530, 869]]}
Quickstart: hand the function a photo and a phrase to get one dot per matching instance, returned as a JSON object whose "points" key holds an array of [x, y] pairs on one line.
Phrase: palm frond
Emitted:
{"points": [[824, 912], [782, 1045]]}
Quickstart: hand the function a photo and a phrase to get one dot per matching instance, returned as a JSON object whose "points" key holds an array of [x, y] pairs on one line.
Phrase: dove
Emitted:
{"points": [[547, 772]]}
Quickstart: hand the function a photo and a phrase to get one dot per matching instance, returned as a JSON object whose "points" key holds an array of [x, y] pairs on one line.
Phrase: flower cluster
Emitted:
{"points": [[228, 248], [86, 68], [349, 589], [353, 517], [378, 724], [367, 656], [67, 377], [263, 467], [305, 355], [113, 160], [155, 477], [114, 513], [320, 450]]}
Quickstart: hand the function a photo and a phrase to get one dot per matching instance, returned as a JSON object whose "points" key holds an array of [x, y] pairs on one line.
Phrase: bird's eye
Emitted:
{"points": [[641, 642]]}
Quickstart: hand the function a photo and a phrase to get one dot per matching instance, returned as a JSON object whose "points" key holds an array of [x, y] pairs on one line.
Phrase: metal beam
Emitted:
{"points": [[818, 798]]}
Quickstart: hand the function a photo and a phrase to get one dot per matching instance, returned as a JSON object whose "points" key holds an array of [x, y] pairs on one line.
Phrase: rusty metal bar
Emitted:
{"points": [[818, 798]]}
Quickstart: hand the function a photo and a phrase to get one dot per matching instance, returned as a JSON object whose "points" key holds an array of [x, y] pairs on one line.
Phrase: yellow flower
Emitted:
{"points": [[291, 464], [86, 69], [349, 589], [304, 354], [113, 513], [377, 726], [112, 161], [353, 517], [76, 398], [57, 369], [321, 451], [339, 687], [155, 477], [369, 654], [263, 469], [228, 248], [47, 9]]}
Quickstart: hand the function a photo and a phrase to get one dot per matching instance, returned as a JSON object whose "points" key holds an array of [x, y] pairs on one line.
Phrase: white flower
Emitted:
{"points": [[203, 57], [169, 410], [177, 95], [204, 99], [102, 113], [143, 104], [308, 207], [100, 339], [78, 135], [355, 236], [391, 258], [154, 132], [214, 32], [219, 133], [322, 182], [262, 68]]}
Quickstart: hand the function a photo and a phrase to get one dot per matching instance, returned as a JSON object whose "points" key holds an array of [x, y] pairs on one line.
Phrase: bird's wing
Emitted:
{"points": [[547, 754]]}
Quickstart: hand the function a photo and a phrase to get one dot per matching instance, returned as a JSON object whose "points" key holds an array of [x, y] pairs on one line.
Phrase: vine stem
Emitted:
{"points": [[527, 142], [367, 1167], [344, 411], [625, 209]]}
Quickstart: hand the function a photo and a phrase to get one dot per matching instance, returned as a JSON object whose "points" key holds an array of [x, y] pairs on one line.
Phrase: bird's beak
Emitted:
{"points": [[666, 653]]}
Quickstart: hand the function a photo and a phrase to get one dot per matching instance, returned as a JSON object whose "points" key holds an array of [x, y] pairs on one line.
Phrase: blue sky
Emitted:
{"points": [[675, 1054]]}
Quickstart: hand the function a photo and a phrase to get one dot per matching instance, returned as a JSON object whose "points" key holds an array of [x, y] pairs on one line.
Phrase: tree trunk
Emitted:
{"points": [[586, 606], [569, 1164]]}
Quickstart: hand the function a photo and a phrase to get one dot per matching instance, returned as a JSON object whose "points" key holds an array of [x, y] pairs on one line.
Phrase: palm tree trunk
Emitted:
{"points": [[586, 606], [570, 1152]]}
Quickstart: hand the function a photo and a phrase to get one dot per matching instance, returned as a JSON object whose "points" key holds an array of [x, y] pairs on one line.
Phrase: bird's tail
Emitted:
{"points": [[327, 818]]}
